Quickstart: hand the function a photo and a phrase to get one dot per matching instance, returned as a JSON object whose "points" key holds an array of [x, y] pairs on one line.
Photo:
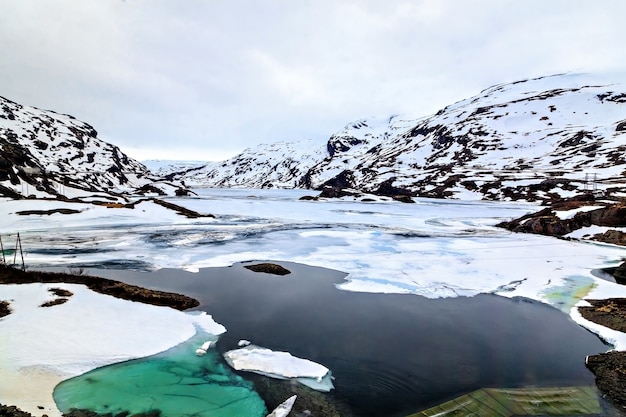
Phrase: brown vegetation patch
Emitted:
{"points": [[609, 313], [12, 411], [9, 275], [60, 292], [55, 302], [180, 209], [47, 212], [268, 268]]}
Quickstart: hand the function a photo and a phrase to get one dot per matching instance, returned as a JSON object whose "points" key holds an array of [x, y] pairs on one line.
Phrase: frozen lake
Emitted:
{"points": [[426, 304]]}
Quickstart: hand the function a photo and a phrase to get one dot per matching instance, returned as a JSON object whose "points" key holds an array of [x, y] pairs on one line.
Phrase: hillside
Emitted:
{"points": [[536, 139], [44, 154]]}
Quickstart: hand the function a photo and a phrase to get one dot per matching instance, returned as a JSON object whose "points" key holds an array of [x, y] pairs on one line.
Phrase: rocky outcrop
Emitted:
{"points": [[268, 268], [5, 308], [548, 222], [614, 237], [610, 372], [12, 411], [609, 368]]}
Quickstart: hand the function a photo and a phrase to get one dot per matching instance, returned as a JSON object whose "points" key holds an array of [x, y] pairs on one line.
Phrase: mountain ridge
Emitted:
{"points": [[44, 154], [537, 139]]}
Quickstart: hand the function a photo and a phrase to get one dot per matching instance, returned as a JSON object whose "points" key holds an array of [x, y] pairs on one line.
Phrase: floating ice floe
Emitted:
{"points": [[284, 408], [201, 351], [243, 343], [280, 365], [90, 330]]}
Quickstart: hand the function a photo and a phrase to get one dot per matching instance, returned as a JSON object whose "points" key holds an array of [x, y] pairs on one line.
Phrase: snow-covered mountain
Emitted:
{"points": [[46, 154], [534, 139]]}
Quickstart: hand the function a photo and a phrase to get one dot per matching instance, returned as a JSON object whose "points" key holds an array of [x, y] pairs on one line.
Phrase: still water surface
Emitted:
{"points": [[390, 354]]}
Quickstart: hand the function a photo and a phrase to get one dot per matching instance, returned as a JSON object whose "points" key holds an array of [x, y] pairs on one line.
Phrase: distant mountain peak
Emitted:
{"points": [[536, 139], [45, 154]]}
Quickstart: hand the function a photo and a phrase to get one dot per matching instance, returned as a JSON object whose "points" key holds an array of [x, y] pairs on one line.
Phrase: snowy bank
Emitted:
{"points": [[50, 344]]}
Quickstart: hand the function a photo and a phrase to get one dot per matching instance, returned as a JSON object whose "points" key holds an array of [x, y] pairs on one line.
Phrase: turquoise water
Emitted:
{"points": [[175, 382]]}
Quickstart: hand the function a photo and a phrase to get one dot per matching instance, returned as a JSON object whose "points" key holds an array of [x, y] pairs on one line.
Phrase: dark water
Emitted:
{"points": [[390, 354]]}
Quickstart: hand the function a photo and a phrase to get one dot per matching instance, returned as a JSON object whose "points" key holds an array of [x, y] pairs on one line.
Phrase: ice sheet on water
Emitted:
{"points": [[434, 248], [281, 365]]}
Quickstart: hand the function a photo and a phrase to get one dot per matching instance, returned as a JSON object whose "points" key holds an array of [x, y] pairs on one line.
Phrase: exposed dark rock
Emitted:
{"points": [[47, 212], [614, 237], [547, 222], [55, 302], [387, 189], [619, 273], [614, 215], [610, 371], [403, 198], [609, 313], [609, 368], [345, 179], [60, 292], [5, 310], [12, 411], [181, 210], [268, 268], [336, 192], [150, 189], [182, 192]]}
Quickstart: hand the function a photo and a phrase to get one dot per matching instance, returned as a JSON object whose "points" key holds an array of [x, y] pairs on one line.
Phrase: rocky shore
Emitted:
{"points": [[609, 368]]}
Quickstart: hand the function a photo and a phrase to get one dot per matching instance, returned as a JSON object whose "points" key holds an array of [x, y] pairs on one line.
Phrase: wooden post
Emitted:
{"points": [[15, 252], [21, 252], [4, 260]]}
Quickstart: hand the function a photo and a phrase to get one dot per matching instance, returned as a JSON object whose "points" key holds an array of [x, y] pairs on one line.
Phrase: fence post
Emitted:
{"points": [[19, 239]]}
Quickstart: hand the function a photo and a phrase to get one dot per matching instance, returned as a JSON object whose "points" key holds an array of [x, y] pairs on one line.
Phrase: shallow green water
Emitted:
{"points": [[176, 382]]}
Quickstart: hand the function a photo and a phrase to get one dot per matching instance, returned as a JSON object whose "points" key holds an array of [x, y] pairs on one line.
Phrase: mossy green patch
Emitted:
{"points": [[565, 296]]}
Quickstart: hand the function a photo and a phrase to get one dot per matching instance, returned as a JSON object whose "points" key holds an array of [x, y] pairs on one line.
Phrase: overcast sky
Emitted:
{"points": [[205, 79]]}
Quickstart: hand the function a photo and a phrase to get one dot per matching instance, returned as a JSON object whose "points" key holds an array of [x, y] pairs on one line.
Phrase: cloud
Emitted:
{"points": [[212, 78]]}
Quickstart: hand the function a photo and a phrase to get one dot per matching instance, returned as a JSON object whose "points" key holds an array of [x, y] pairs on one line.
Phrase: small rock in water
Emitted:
{"points": [[268, 268]]}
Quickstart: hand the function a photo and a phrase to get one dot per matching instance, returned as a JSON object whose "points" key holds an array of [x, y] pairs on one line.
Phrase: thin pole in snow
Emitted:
{"points": [[21, 252], [4, 261], [15, 251]]}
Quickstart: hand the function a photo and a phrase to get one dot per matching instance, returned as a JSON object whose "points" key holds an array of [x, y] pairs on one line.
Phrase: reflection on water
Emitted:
{"points": [[391, 354]]}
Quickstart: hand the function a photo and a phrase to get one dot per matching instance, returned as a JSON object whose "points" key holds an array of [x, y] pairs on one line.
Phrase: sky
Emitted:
{"points": [[206, 79]]}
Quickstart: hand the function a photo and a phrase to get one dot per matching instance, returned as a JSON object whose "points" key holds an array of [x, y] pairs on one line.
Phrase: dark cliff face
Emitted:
{"points": [[42, 152]]}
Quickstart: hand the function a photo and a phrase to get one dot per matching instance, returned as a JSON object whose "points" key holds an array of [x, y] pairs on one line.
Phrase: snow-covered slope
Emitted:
{"points": [[534, 139], [46, 154]]}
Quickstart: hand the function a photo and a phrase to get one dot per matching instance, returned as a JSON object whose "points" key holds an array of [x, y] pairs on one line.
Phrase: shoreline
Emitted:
{"points": [[105, 322], [10, 275]]}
